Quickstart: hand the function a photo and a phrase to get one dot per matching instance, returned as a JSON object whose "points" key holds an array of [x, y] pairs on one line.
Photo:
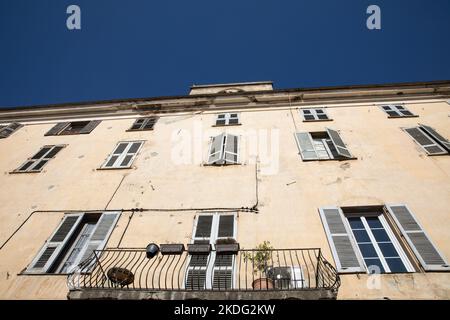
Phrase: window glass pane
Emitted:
{"points": [[319, 111], [322, 116], [406, 113], [386, 107], [309, 117], [233, 121], [374, 264], [367, 250], [52, 153], [220, 122], [356, 223], [396, 265], [380, 235], [307, 111], [134, 147], [120, 148], [392, 113], [374, 222], [111, 161], [26, 166], [388, 249], [126, 161], [40, 165], [221, 116], [361, 236], [41, 153]]}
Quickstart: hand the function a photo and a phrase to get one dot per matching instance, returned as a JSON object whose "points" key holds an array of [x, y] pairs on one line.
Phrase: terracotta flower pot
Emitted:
{"points": [[262, 284]]}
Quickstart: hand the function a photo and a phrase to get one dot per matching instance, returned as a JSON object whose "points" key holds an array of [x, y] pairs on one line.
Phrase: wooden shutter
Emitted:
{"points": [[9, 129], [430, 146], [231, 149], [436, 136], [340, 146], [342, 245], [216, 149], [57, 129], [99, 237], [90, 126], [305, 146], [52, 248], [415, 235]]}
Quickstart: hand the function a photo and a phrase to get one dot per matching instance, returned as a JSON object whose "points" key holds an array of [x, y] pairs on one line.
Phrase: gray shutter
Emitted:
{"points": [[305, 146], [9, 129], [52, 248], [226, 226], [340, 146], [57, 129], [342, 246], [436, 135], [231, 149], [430, 146], [420, 243], [216, 149], [99, 236], [90, 126]]}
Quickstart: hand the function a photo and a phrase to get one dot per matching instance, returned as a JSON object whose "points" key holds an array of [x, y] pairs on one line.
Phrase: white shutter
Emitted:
{"points": [[428, 255], [99, 237], [341, 243], [305, 146], [52, 248], [216, 149], [231, 154], [340, 146], [430, 146], [436, 136]]}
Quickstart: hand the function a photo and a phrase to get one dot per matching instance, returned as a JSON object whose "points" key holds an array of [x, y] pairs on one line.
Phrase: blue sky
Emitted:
{"points": [[141, 48]]}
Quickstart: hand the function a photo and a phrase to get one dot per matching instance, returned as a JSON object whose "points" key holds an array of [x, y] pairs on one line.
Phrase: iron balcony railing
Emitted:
{"points": [[245, 270]]}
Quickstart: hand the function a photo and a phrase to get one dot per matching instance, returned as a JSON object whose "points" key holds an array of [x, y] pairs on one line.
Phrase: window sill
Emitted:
{"points": [[399, 117], [226, 125], [134, 130], [345, 159], [20, 172], [320, 120], [221, 164], [124, 168]]}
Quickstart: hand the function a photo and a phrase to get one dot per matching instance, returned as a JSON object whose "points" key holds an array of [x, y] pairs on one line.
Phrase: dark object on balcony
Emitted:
{"points": [[172, 248], [199, 248], [120, 276], [231, 248], [263, 284], [152, 250]]}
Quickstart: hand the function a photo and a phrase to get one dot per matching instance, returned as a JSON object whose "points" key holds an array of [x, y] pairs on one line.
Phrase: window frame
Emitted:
{"points": [[227, 117], [90, 124], [221, 161], [38, 160], [9, 131], [122, 155], [313, 112], [145, 122], [394, 108]]}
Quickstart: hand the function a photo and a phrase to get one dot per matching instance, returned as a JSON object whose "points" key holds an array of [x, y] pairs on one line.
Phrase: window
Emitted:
{"points": [[227, 119], [429, 139], [362, 239], [40, 159], [322, 146], [74, 127], [314, 115], [7, 130], [213, 270], [123, 155], [397, 111], [143, 124], [74, 241], [224, 149]]}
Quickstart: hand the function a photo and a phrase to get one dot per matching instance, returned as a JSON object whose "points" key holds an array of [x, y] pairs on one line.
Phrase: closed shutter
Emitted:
{"points": [[305, 146], [222, 277], [9, 129], [436, 136], [231, 149], [52, 248], [342, 245], [216, 149], [90, 126], [430, 146], [420, 243], [340, 146], [99, 237], [57, 129]]}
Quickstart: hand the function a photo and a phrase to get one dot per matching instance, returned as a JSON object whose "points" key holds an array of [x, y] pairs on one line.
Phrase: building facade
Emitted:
{"points": [[245, 192]]}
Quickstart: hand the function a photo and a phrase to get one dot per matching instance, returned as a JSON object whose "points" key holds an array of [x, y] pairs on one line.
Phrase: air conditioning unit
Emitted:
{"points": [[287, 277]]}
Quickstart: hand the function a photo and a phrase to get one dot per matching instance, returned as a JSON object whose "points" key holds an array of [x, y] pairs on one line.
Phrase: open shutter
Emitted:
{"points": [[431, 147], [420, 243], [99, 236], [9, 129], [305, 146], [57, 129], [216, 149], [231, 149], [436, 136], [52, 248], [90, 126], [340, 146], [342, 246]]}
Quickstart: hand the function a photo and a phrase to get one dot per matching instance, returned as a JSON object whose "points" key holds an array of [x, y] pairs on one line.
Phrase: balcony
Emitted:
{"points": [[203, 273]]}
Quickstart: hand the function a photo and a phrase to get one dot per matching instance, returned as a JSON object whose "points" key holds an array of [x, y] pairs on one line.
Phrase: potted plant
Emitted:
{"points": [[260, 258]]}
